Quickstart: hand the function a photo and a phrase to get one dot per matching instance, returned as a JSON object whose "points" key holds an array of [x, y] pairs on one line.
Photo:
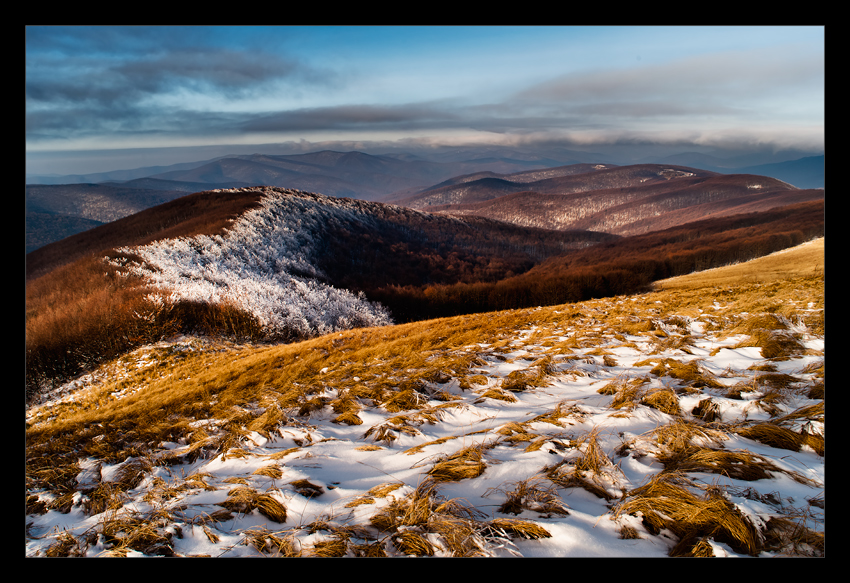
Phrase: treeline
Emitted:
{"points": [[399, 247], [628, 265]]}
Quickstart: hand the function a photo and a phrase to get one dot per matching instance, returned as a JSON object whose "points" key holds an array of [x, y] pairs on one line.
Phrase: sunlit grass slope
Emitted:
{"points": [[193, 404], [803, 260]]}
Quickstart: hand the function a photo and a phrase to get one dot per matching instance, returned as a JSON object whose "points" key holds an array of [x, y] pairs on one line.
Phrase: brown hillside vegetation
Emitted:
{"points": [[80, 309], [636, 208], [420, 266], [803, 260], [587, 179], [624, 266]]}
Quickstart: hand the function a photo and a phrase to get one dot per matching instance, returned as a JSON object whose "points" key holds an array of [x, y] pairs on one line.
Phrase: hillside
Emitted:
{"points": [[288, 265], [680, 422], [522, 190], [626, 200], [108, 196], [570, 179], [54, 212], [619, 266], [254, 262], [641, 209]]}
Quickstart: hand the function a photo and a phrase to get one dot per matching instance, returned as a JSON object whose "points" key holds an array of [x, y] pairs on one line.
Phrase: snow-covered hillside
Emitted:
{"points": [[265, 264], [626, 427]]}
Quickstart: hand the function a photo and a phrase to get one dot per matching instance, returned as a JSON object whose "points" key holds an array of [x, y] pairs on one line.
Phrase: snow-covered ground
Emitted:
{"points": [[333, 479]]}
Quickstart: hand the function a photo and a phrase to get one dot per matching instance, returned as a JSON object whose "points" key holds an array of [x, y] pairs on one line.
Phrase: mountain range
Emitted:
{"points": [[57, 207]]}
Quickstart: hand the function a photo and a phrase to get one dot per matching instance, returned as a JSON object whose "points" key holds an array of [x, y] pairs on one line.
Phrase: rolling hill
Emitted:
{"points": [[495, 186], [623, 200], [261, 262], [54, 212], [282, 264], [108, 196]]}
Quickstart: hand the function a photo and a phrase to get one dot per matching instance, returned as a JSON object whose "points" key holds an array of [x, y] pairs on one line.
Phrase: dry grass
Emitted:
{"points": [[401, 370], [137, 532], [409, 519], [464, 464], [588, 467], [664, 400], [273, 543], [667, 501], [244, 500], [802, 261], [690, 372], [515, 528], [532, 494], [773, 435], [707, 410]]}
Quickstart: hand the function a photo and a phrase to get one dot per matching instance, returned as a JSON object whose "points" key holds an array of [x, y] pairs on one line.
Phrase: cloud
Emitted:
{"points": [[211, 85], [81, 84], [729, 85]]}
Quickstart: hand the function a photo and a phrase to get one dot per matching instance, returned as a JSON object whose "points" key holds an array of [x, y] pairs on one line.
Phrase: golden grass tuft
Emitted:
{"points": [[336, 546], [498, 395], [273, 543], [690, 372], [707, 410], [770, 332], [664, 400], [66, 545], [423, 512], [245, 500], [370, 447], [531, 494], [516, 528], [348, 418], [412, 543], [369, 550], [739, 465], [404, 400], [773, 435], [143, 533], [462, 465], [270, 471], [666, 501]]}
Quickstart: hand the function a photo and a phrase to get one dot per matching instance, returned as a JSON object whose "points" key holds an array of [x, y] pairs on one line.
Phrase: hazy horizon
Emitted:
{"points": [[109, 98]]}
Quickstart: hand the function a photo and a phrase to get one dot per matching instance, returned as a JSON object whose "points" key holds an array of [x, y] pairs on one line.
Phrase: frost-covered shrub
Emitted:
{"points": [[266, 264]]}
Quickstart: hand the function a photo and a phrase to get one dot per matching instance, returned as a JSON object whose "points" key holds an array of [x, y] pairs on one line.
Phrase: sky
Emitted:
{"points": [[101, 98]]}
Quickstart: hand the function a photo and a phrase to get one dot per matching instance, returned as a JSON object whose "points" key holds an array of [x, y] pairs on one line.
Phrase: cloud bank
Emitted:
{"points": [[165, 86]]}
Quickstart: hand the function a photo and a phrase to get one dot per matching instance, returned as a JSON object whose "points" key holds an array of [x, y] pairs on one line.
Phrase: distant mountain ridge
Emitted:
{"points": [[447, 177], [562, 180], [651, 197]]}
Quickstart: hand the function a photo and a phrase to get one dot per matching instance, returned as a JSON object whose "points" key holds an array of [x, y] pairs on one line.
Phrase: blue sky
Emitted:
{"points": [[129, 88]]}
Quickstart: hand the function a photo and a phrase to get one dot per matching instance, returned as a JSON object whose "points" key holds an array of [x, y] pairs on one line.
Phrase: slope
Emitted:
{"points": [[54, 212], [683, 422], [569, 179], [254, 262], [621, 266], [638, 209]]}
